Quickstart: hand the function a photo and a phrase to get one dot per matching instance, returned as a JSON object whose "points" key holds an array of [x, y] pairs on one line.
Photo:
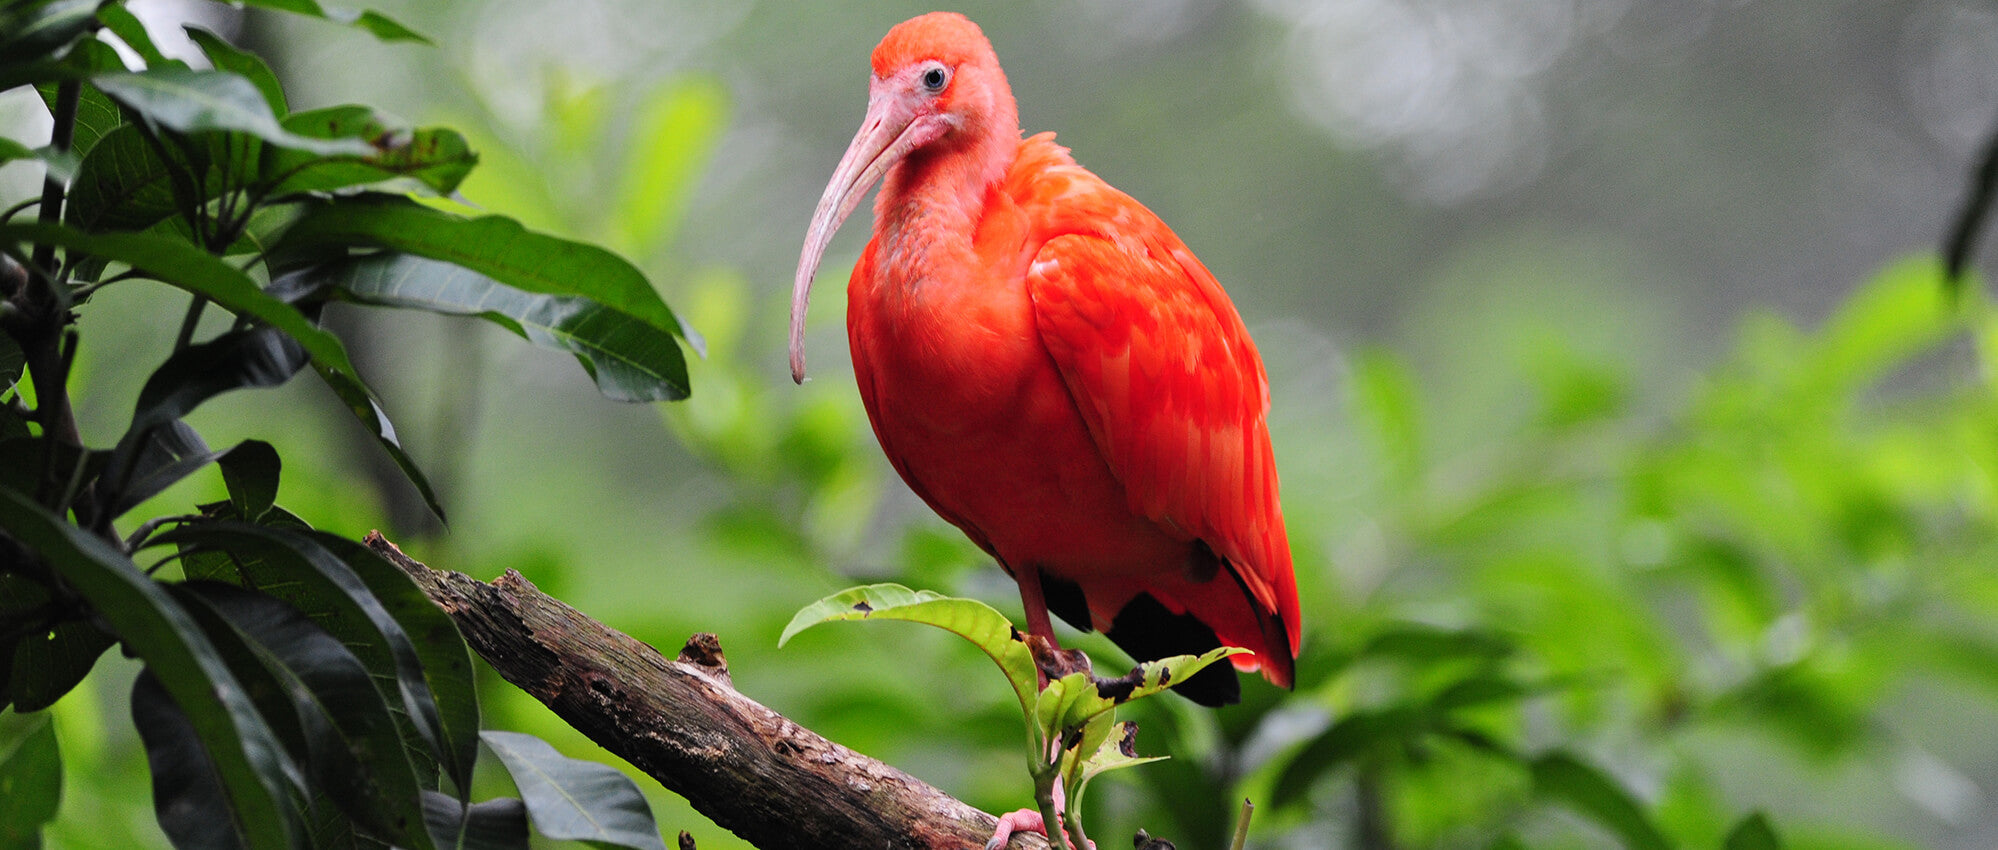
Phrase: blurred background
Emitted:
{"points": [[1598, 330]]}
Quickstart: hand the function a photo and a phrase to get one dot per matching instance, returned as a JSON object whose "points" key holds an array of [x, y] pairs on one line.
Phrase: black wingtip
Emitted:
{"points": [[1148, 631]]}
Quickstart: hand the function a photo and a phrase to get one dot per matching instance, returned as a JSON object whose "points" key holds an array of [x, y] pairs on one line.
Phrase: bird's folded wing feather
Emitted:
{"points": [[1171, 387]]}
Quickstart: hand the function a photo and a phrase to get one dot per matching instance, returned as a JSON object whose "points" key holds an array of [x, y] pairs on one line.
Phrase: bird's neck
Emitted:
{"points": [[932, 201]]}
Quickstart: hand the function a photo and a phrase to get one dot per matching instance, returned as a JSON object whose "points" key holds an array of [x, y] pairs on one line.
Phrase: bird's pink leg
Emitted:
{"points": [[1029, 578], [1027, 820]]}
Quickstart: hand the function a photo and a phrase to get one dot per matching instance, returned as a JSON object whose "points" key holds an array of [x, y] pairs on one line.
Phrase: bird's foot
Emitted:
{"points": [[1024, 820]]}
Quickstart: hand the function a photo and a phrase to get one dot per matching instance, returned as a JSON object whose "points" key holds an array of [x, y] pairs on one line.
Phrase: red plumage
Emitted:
{"points": [[1052, 370]]}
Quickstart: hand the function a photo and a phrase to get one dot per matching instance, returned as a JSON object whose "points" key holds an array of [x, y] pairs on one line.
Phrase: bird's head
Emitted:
{"points": [[936, 87]]}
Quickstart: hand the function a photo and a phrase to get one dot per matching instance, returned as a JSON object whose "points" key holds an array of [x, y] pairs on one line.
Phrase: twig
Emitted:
{"points": [[1969, 221]]}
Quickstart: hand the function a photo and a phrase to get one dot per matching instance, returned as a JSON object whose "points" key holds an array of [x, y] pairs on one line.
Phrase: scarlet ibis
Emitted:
{"points": [[1053, 371]]}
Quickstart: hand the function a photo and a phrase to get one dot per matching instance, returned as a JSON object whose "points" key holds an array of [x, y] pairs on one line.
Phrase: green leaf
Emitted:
{"points": [[124, 184], [495, 246], [433, 158], [249, 763], [446, 660], [297, 568], [629, 359], [48, 664], [225, 57], [375, 23], [492, 825], [189, 101], [970, 619], [575, 799], [32, 31], [1116, 752], [1353, 736], [130, 30], [30, 780], [260, 357], [353, 748], [1083, 704], [1562, 778], [250, 472], [179, 263], [1753, 832]]}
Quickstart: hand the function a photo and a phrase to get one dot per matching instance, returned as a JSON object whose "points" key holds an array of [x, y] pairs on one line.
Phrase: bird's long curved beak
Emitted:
{"points": [[887, 135]]}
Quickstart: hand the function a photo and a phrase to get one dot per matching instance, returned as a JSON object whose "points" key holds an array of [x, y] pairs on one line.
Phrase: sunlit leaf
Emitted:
{"points": [[970, 619], [575, 799]]}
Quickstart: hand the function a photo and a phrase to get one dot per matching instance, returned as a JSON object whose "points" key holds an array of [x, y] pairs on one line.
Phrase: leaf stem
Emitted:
{"points": [[188, 323], [1242, 825]]}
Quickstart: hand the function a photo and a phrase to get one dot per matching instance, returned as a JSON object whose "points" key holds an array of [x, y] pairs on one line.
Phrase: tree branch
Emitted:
{"points": [[747, 768]]}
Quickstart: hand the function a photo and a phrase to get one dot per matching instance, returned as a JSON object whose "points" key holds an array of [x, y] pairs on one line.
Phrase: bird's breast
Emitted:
{"points": [[974, 414]]}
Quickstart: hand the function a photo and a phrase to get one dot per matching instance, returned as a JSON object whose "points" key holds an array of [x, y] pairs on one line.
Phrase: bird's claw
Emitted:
{"points": [[1024, 820]]}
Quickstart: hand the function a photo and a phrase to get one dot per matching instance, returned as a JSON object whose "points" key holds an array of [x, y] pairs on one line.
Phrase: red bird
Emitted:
{"points": [[1054, 372]]}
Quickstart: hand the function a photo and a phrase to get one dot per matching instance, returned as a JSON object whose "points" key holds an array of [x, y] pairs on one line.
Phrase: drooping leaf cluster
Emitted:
{"points": [[297, 689]]}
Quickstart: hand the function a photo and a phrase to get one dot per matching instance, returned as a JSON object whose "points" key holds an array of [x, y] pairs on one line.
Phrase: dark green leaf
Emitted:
{"points": [[189, 101], [492, 825], [353, 749], [225, 57], [96, 115], [447, 662], [296, 567], [435, 159], [12, 363], [127, 27], [1754, 832], [1353, 736], [495, 246], [260, 357], [249, 762], [181, 264], [250, 471], [374, 22], [48, 664], [33, 31], [123, 184], [11, 150], [30, 780], [168, 453], [1562, 778], [189, 800], [630, 360], [575, 799]]}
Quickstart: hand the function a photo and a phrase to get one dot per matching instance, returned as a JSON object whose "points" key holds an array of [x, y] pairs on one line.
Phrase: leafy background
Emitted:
{"points": [[1625, 428]]}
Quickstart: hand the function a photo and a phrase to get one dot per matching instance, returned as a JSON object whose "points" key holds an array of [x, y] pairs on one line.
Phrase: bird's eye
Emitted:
{"points": [[935, 79]]}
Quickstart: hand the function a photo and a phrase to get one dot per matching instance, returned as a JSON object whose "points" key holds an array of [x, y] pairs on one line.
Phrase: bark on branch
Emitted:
{"points": [[772, 782]]}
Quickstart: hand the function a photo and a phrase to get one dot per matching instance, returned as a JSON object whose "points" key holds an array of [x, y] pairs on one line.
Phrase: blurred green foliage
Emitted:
{"points": [[1557, 595]]}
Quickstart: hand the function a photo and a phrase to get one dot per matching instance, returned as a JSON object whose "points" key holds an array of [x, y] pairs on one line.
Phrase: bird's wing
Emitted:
{"points": [[1166, 377]]}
